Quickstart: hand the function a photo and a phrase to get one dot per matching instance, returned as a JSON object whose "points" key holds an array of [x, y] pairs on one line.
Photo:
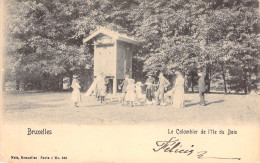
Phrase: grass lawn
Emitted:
{"points": [[50, 107]]}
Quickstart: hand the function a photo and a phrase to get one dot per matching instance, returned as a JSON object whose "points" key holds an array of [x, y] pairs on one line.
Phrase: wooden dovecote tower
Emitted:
{"points": [[113, 54]]}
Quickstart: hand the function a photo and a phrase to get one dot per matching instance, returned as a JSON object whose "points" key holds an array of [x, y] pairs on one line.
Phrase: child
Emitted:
{"points": [[130, 92], [102, 88], [76, 97], [138, 91]]}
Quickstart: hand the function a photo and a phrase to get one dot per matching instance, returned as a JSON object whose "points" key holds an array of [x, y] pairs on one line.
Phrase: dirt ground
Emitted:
{"points": [[57, 108]]}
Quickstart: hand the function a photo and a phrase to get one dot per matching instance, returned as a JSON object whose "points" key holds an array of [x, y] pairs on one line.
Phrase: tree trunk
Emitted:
{"points": [[225, 84], [249, 84], [71, 75], [224, 79], [208, 72], [245, 86], [61, 82], [192, 84], [186, 86]]}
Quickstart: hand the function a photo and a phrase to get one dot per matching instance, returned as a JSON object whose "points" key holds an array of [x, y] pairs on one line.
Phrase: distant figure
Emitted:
{"points": [[138, 92], [149, 89], [162, 84], [178, 96], [102, 87], [75, 96], [130, 92], [202, 88], [124, 85], [109, 93], [96, 87]]}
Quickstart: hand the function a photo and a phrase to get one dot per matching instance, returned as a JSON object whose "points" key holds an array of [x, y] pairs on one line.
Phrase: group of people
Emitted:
{"points": [[132, 92], [155, 92], [101, 87]]}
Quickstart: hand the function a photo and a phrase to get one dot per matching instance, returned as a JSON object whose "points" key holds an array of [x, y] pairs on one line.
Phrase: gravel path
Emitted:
{"points": [[57, 108]]}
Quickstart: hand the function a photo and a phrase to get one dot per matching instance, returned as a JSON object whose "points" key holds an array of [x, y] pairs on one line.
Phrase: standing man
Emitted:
{"points": [[149, 87], [123, 85], [202, 88], [102, 87], [162, 84]]}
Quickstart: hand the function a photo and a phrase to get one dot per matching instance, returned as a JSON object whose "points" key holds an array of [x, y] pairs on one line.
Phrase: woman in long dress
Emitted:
{"points": [[149, 88], [75, 96], [178, 97], [130, 92]]}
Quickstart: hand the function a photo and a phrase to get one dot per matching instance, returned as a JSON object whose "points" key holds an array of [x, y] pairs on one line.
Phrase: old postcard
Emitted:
{"points": [[130, 81]]}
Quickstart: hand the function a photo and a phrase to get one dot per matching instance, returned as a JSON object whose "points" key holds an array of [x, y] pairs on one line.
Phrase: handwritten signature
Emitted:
{"points": [[175, 145]]}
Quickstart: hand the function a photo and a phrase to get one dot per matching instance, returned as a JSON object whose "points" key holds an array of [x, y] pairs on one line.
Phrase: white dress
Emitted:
{"points": [[130, 94], [76, 97], [138, 90], [178, 97]]}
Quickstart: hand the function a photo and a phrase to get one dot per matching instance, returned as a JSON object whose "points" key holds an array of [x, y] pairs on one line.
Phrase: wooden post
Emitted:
{"points": [[115, 69], [114, 86]]}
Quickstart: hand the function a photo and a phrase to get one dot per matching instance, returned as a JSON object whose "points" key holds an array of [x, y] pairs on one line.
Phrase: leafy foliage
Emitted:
{"points": [[216, 36]]}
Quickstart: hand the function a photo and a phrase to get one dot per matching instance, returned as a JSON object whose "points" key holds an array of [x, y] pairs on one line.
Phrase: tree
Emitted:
{"points": [[195, 36], [216, 36], [42, 40]]}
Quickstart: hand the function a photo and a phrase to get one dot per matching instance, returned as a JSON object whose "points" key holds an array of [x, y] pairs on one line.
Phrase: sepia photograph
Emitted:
{"points": [[130, 81]]}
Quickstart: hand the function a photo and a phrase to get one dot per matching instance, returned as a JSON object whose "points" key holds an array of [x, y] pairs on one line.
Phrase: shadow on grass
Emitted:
{"points": [[29, 106], [191, 104], [219, 101], [90, 106], [197, 103], [223, 93], [98, 104]]}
